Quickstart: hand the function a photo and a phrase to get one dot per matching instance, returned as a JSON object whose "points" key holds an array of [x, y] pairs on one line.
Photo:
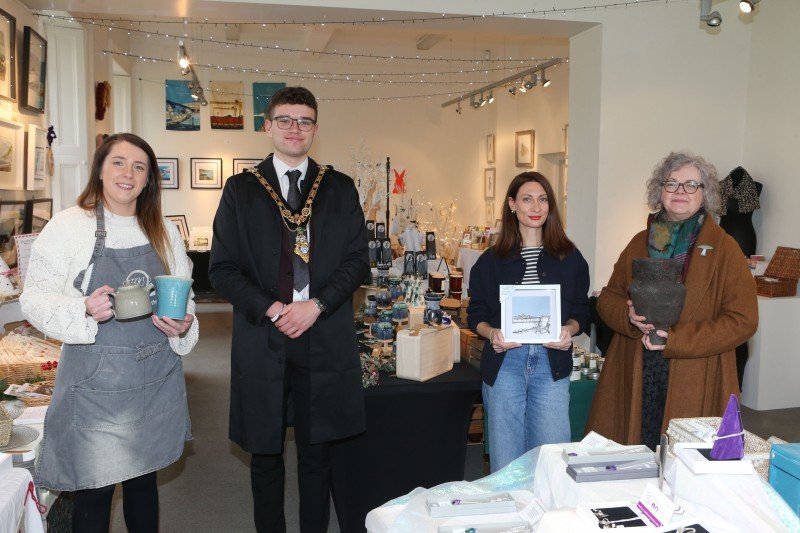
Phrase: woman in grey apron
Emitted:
{"points": [[119, 411]]}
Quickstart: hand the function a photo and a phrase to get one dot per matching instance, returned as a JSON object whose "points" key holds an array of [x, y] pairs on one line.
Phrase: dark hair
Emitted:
{"points": [[554, 238], [148, 204], [292, 96], [675, 161]]}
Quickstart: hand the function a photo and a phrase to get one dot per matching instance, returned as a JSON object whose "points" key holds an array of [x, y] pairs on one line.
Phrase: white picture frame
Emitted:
{"points": [[36, 174], [530, 314], [239, 165]]}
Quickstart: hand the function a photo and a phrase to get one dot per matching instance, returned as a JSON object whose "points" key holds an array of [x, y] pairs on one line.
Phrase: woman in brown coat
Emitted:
{"points": [[642, 385]]}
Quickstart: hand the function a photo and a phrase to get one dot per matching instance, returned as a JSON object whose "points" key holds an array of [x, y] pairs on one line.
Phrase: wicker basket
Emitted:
{"points": [[5, 426], [755, 448], [43, 387], [780, 277], [19, 372]]}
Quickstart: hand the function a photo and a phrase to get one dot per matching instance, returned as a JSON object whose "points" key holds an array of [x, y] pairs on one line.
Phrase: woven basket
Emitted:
{"points": [[19, 372], [756, 449], [780, 277], [5, 426], [43, 387]]}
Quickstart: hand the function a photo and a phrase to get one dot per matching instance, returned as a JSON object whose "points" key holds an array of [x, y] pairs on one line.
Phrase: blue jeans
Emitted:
{"points": [[526, 408]]}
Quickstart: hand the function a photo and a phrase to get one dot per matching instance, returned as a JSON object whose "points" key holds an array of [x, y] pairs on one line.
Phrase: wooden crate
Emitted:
{"points": [[780, 277]]}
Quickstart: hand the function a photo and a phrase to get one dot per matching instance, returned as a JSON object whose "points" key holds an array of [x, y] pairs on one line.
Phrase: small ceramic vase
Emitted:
{"points": [[433, 311], [657, 293], [383, 297]]}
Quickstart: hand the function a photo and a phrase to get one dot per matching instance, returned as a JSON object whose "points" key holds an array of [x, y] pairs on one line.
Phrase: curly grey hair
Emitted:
{"points": [[674, 161]]}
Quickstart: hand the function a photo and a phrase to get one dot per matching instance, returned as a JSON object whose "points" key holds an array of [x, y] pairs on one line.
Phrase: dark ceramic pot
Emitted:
{"points": [[433, 311], [657, 293]]}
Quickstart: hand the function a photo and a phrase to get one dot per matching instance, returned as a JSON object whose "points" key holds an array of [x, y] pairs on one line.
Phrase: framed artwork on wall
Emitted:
{"points": [[34, 71], [240, 164], [36, 174], [183, 227], [38, 212], [168, 166], [490, 148], [12, 142], [488, 184], [206, 173], [524, 148], [489, 213], [12, 223], [8, 56]]}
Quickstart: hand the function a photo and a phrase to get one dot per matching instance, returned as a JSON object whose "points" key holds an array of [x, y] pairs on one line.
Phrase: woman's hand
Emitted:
{"points": [[654, 347], [499, 343], [564, 340], [98, 304], [171, 327], [638, 320]]}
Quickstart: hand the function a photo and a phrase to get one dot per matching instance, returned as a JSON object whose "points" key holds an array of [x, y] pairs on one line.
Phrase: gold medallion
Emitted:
{"points": [[301, 244]]}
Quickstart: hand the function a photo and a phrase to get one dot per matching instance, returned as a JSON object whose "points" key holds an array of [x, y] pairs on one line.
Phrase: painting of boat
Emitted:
{"points": [[181, 112]]}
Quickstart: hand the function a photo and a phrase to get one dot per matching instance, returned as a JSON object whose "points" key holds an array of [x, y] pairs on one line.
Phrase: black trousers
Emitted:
{"points": [[267, 472]]}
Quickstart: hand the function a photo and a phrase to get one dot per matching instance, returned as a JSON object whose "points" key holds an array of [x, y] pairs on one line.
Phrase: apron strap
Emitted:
{"points": [[99, 246]]}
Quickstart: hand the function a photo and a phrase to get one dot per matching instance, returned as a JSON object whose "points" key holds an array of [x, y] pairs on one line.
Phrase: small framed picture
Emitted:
{"points": [[8, 57], [38, 212], [240, 164], [34, 70], [530, 314], [12, 223], [12, 155], [488, 182], [183, 227], [168, 166], [35, 175], [206, 173], [489, 213], [524, 148], [490, 148]]}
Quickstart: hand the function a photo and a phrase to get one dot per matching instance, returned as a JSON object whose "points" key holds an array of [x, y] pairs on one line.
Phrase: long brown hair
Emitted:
{"points": [[148, 204], [554, 238]]}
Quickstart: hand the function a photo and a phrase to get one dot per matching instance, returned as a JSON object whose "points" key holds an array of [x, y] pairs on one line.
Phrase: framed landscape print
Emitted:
{"points": [[8, 56], [169, 172], [12, 223], [490, 148], [36, 175], [206, 173], [34, 71], [38, 212], [12, 143], [240, 164], [530, 314], [524, 148], [183, 227]]}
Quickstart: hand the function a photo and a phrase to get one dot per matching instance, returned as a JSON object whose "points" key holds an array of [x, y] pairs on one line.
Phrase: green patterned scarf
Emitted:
{"points": [[673, 239]]}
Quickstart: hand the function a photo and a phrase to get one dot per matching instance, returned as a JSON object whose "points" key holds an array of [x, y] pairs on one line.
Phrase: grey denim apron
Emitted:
{"points": [[119, 407]]}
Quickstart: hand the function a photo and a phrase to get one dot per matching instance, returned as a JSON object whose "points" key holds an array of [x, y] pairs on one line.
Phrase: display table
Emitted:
{"points": [[466, 259], [416, 436], [720, 502], [770, 376]]}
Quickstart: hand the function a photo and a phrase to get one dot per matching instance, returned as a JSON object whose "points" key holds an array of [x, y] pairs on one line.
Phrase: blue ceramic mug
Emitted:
{"points": [[172, 293]]}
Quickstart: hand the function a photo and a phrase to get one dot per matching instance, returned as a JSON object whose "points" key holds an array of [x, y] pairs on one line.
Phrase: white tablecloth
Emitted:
{"points": [[466, 259], [722, 503], [14, 509]]}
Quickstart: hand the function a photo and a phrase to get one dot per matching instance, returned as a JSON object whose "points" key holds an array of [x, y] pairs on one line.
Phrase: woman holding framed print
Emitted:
{"points": [[526, 386]]}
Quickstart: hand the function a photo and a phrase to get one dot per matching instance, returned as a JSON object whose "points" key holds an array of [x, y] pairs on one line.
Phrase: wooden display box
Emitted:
{"points": [[424, 355], [780, 277]]}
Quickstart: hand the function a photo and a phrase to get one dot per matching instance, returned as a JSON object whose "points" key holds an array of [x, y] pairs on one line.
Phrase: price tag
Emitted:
{"points": [[655, 506]]}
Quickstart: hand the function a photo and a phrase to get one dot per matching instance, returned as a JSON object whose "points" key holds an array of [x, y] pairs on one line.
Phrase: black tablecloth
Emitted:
{"points": [[416, 437]]}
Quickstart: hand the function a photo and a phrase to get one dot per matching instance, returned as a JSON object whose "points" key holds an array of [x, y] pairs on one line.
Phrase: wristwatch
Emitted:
{"points": [[321, 306]]}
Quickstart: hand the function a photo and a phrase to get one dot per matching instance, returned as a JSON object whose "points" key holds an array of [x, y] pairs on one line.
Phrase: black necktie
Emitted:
{"points": [[294, 198]]}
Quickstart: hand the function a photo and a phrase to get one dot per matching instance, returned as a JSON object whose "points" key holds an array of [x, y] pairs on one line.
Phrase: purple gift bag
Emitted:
{"points": [[729, 440]]}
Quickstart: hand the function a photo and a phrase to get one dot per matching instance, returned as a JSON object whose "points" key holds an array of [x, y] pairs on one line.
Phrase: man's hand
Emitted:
{"points": [[297, 317]]}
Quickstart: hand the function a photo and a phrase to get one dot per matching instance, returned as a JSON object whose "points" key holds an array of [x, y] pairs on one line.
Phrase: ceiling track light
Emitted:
{"points": [[183, 58], [543, 79], [458, 108], [515, 81], [747, 6], [712, 19], [484, 101], [491, 97]]}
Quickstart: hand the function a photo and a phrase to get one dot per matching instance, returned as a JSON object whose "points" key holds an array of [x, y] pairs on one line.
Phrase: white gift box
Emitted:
{"points": [[472, 504], [426, 354]]}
